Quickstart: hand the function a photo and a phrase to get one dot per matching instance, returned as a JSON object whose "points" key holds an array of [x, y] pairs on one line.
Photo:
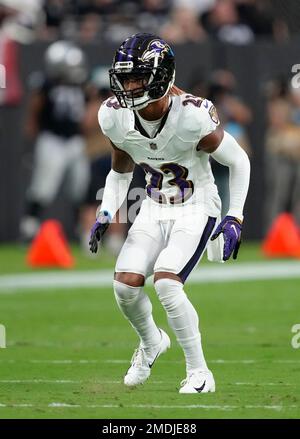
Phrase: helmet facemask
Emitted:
{"points": [[137, 98]]}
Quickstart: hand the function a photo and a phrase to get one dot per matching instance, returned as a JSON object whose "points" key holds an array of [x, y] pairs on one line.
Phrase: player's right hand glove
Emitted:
{"points": [[231, 228], [98, 230]]}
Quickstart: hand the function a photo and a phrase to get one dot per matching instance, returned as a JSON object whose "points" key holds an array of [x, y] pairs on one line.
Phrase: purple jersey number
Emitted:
{"points": [[190, 99], [153, 189], [113, 103]]}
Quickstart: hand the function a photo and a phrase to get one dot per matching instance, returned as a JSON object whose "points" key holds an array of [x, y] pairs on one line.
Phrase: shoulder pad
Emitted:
{"points": [[108, 121], [200, 117]]}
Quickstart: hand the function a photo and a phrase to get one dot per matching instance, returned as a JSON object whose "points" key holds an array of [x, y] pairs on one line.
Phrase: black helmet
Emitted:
{"points": [[143, 56], [66, 62]]}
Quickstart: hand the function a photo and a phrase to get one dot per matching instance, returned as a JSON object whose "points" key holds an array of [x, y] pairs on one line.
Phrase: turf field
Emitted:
{"points": [[67, 349]]}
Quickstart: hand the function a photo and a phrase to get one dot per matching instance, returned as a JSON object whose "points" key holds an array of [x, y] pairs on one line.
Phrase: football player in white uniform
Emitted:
{"points": [[170, 134]]}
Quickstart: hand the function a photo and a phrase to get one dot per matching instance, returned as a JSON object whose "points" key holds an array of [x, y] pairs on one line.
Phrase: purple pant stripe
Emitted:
{"points": [[184, 273]]}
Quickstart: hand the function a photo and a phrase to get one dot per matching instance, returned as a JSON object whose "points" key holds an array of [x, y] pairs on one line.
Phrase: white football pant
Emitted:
{"points": [[55, 159], [173, 246]]}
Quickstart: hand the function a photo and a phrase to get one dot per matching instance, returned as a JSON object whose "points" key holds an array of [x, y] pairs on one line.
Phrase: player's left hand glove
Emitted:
{"points": [[231, 228], [98, 230]]}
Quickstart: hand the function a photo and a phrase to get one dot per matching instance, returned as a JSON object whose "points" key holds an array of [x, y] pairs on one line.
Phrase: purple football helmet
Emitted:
{"points": [[147, 57]]}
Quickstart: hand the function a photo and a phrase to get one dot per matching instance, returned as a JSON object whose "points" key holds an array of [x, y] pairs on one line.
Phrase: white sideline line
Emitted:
{"points": [[16, 405], [153, 406], [174, 361], [65, 361], [264, 384], [212, 407], [39, 381], [242, 271], [286, 361], [62, 404], [47, 381], [119, 361]]}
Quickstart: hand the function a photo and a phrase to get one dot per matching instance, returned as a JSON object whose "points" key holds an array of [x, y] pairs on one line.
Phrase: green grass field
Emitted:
{"points": [[67, 350]]}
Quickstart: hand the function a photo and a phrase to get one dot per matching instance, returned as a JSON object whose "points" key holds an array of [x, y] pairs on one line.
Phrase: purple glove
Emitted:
{"points": [[98, 230], [231, 228]]}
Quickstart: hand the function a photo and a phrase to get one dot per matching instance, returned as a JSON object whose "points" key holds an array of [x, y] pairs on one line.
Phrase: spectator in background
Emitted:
{"points": [[265, 18], [99, 153], [54, 117], [183, 26], [282, 154], [235, 116], [123, 22], [27, 18], [153, 14], [90, 28], [224, 23], [199, 6], [256, 14], [55, 12], [233, 21]]}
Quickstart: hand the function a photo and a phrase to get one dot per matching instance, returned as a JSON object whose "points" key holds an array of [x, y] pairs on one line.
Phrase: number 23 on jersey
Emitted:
{"points": [[185, 187]]}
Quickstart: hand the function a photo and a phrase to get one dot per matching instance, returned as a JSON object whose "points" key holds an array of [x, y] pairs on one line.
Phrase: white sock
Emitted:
{"points": [[137, 308], [183, 319]]}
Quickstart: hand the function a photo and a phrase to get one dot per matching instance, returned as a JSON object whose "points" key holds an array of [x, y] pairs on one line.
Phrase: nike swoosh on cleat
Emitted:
{"points": [[151, 364], [199, 389]]}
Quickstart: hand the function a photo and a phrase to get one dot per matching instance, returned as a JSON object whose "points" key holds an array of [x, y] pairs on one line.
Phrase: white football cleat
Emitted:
{"points": [[198, 381], [140, 368]]}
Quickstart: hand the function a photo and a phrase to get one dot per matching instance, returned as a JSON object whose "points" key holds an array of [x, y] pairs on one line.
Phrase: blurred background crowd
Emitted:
{"points": [[178, 21], [56, 107]]}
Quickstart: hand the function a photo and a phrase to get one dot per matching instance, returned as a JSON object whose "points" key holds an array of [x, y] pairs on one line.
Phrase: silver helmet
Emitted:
{"points": [[66, 62]]}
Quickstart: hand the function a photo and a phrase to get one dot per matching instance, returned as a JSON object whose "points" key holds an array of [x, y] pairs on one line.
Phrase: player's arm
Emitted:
{"points": [[117, 183], [121, 161], [115, 191], [225, 150]]}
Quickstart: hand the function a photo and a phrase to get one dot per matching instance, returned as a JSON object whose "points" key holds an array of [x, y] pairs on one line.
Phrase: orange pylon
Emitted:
{"points": [[283, 238], [50, 248]]}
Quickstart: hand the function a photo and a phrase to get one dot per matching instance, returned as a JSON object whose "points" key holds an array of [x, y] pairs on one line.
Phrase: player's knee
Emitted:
{"points": [[130, 279], [170, 293], [125, 294], [166, 275]]}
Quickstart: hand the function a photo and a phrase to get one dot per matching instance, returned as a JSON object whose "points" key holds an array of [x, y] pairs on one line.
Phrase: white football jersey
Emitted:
{"points": [[176, 173]]}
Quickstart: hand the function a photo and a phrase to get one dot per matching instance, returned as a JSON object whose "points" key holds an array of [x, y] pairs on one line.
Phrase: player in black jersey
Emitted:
{"points": [[55, 113]]}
